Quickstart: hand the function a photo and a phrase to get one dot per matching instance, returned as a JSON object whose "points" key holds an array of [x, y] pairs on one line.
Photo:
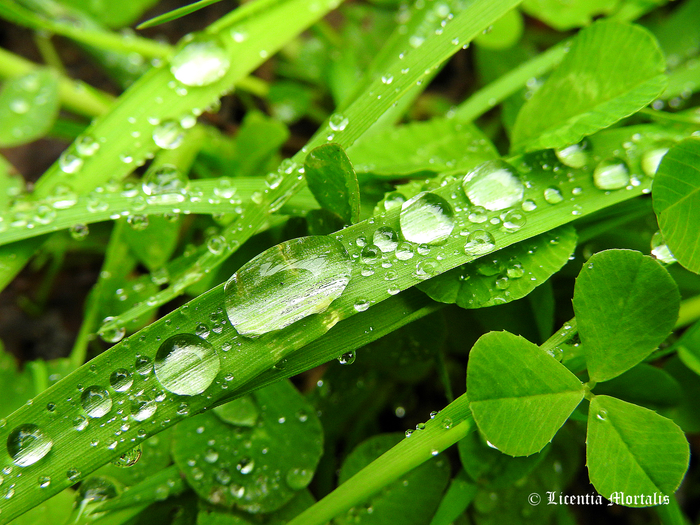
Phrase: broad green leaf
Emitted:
{"points": [[113, 14], [332, 180], [28, 107], [611, 71], [212, 515], [488, 466], [411, 500], [176, 13], [457, 498], [676, 196], [257, 141], [633, 387], [219, 462], [508, 275], [55, 510], [563, 15], [519, 395], [633, 450], [435, 145], [503, 33], [626, 304]]}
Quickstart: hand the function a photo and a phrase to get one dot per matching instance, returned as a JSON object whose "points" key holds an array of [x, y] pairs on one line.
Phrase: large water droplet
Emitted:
{"points": [[385, 239], [165, 185], [97, 488], [298, 478], [479, 242], [200, 62], [494, 185], [96, 401], [27, 444], [611, 174], [426, 218], [168, 135], [573, 156], [186, 364], [286, 283]]}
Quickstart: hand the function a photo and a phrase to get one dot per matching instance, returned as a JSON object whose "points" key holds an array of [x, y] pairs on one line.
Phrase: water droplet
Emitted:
{"points": [[479, 242], [96, 488], [286, 283], [70, 163], [27, 444], [137, 222], [113, 335], [80, 423], [478, 215], [128, 458], [370, 254], [426, 269], [298, 478], [361, 305], [528, 205], [574, 156], [515, 270], [611, 174], [143, 365], [447, 423], [385, 239], [246, 465], [96, 401], [44, 481], [211, 456], [393, 200], [201, 61], [142, 407], [168, 135], [165, 185], [186, 364], [121, 380], [347, 358], [73, 474], [660, 250], [602, 414], [86, 146], [651, 160], [513, 220], [404, 251], [338, 122], [494, 185], [427, 218], [216, 244], [553, 195]]}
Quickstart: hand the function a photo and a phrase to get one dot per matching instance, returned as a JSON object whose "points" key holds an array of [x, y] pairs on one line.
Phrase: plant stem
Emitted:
{"points": [[671, 514], [389, 467]]}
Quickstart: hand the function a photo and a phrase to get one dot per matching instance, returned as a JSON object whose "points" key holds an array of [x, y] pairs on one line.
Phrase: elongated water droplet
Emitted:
{"points": [[96, 401], [494, 185], [553, 195], [27, 444], [573, 156], [427, 219], [347, 358], [128, 458], [611, 174], [201, 61], [660, 250], [286, 283], [186, 364]]}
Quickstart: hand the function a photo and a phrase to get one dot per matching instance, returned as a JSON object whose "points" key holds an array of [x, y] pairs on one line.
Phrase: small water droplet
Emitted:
{"points": [[347, 358], [246, 465], [44, 481], [338, 122], [201, 61], [361, 305], [479, 242], [553, 195], [113, 335], [168, 135], [142, 407], [121, 380], [602, 414], [73, 474], [96, 401], [129, 458]]}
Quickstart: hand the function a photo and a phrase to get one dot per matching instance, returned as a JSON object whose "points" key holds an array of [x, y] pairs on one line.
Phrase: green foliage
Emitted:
{"points": [[283, 195]]}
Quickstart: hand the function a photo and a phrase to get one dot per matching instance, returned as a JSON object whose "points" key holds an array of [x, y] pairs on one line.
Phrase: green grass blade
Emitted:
{"points": [[176, 13]]}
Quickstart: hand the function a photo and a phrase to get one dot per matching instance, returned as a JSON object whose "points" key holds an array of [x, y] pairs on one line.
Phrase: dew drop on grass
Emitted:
{"points": [[168, 135], [651, 160], [166, 182], [128, 458], [347, 358], [27, 444], [479, 242], [513, 220], [201, 61], [393, 200], [298, 478], [552, 195], [143, 365], [338, 122], [113, 335], [96, 401], [494, 185], [96, 488], [246, 465], [73, 474], [427, 218], [660, 250], [120, 380], [286, 283], [70, 163], [44, 481], [385, 239], [361, 305], [186, 364], [370, 254], [611, 174], [574, 156], [142, 407], [86, 146], [602, 414]]}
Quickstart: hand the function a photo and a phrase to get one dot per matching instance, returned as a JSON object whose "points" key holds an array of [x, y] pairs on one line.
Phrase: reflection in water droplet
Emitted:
{"points": [[553, 195], [479, 242], [347, 358], [142, 407], [129, 458], [143, 365], [611, 174], [513, 220], [660, 250], [370, 254], [286, 283], [44, 481], [200, 62], [121, 380], [602, 414], [27, 444], [96, 401], [246, 465], [186, 364], [494, 185], [385, 239], [426, 218], [338, 122]]}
